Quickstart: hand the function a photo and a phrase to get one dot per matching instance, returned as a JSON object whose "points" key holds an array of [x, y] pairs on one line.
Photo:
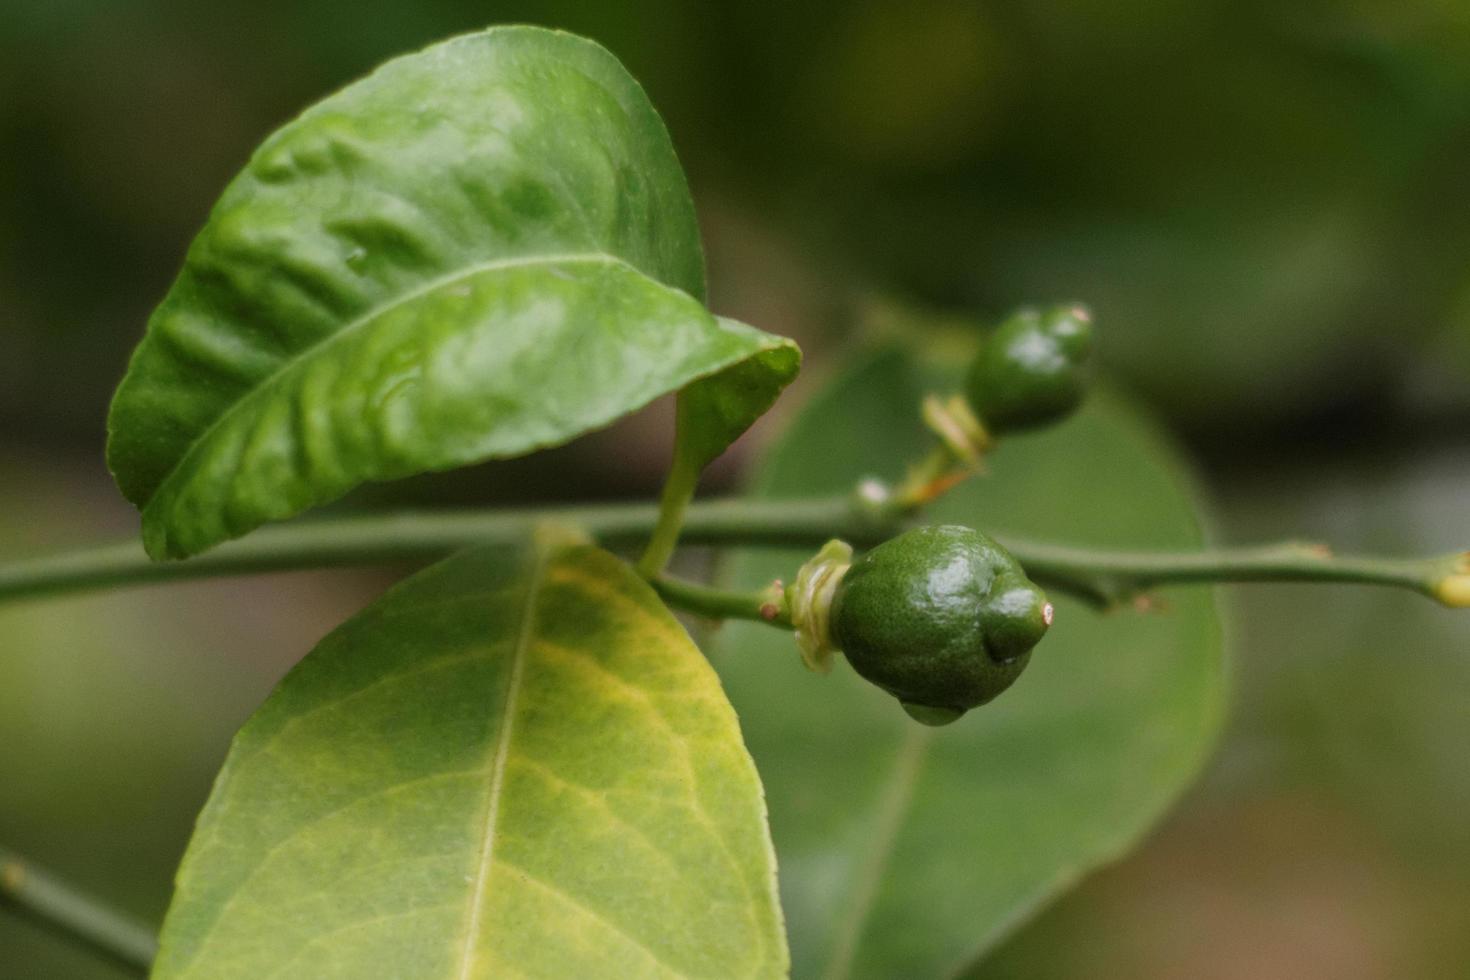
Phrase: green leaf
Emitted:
{"points": [[480, 250], [906, 850], [713, 412], [512, 764]]}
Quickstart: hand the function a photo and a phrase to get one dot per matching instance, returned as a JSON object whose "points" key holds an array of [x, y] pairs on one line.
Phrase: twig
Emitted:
{"points": [[53, 903]]}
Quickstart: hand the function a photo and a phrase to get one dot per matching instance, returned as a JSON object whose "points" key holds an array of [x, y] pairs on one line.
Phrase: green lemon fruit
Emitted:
{"points": [[942, 618], [1033, 370]]}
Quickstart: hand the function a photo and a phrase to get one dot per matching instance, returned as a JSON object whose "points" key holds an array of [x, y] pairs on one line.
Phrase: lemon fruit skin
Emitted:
{"points": [[1033, 370], [943, 618]]}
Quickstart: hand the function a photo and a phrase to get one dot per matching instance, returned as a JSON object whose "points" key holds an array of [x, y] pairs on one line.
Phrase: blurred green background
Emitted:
{"points": [[1265, 204]]}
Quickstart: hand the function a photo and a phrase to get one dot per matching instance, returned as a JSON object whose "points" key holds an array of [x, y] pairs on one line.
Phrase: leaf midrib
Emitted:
{"points": [[893, 805], [499, 761], [350, 328]]}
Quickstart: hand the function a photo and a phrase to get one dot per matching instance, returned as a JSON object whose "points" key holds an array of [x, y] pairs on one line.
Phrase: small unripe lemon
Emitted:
{"points": [[942, 618], [1032, 371]]}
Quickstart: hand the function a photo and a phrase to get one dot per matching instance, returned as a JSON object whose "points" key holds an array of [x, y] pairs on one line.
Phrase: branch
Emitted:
{"points": [[410, 537], [1102, 577], [78, 917], [1108, 578]]}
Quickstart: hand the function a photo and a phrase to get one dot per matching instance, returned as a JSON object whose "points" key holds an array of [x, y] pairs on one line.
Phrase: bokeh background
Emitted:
{"points": [[1267, 205]]}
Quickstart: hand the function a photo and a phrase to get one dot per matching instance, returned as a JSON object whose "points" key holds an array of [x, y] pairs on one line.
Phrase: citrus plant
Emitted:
{"points": [[518, 762]]}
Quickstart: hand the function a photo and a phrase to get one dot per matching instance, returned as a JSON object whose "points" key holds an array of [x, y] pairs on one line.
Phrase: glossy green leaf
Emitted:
{"points": [[478, 251], [712, 413], [511, 765], [906, 850]]}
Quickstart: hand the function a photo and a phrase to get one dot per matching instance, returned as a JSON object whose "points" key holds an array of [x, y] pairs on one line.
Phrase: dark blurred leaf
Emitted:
{"points": [[905, 851], [1329, 840]]}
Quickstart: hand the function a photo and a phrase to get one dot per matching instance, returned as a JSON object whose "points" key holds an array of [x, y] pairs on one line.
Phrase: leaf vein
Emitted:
{"points": [[599, 798], [590, 912], [385, 680], [351, 327], [893, 804], [300, 829], [498, 762]]}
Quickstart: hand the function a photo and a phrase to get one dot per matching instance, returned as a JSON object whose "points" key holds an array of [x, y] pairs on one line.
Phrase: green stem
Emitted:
{"points": [[767, 605], [410, 537], [673, 505], [81, 918], [1104, 577], [961, 443], [916, 488], [1108, 577]]}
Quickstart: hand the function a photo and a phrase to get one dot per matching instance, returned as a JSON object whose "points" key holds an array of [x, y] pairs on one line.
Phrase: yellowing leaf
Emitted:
{"points": [[510, 765]]}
